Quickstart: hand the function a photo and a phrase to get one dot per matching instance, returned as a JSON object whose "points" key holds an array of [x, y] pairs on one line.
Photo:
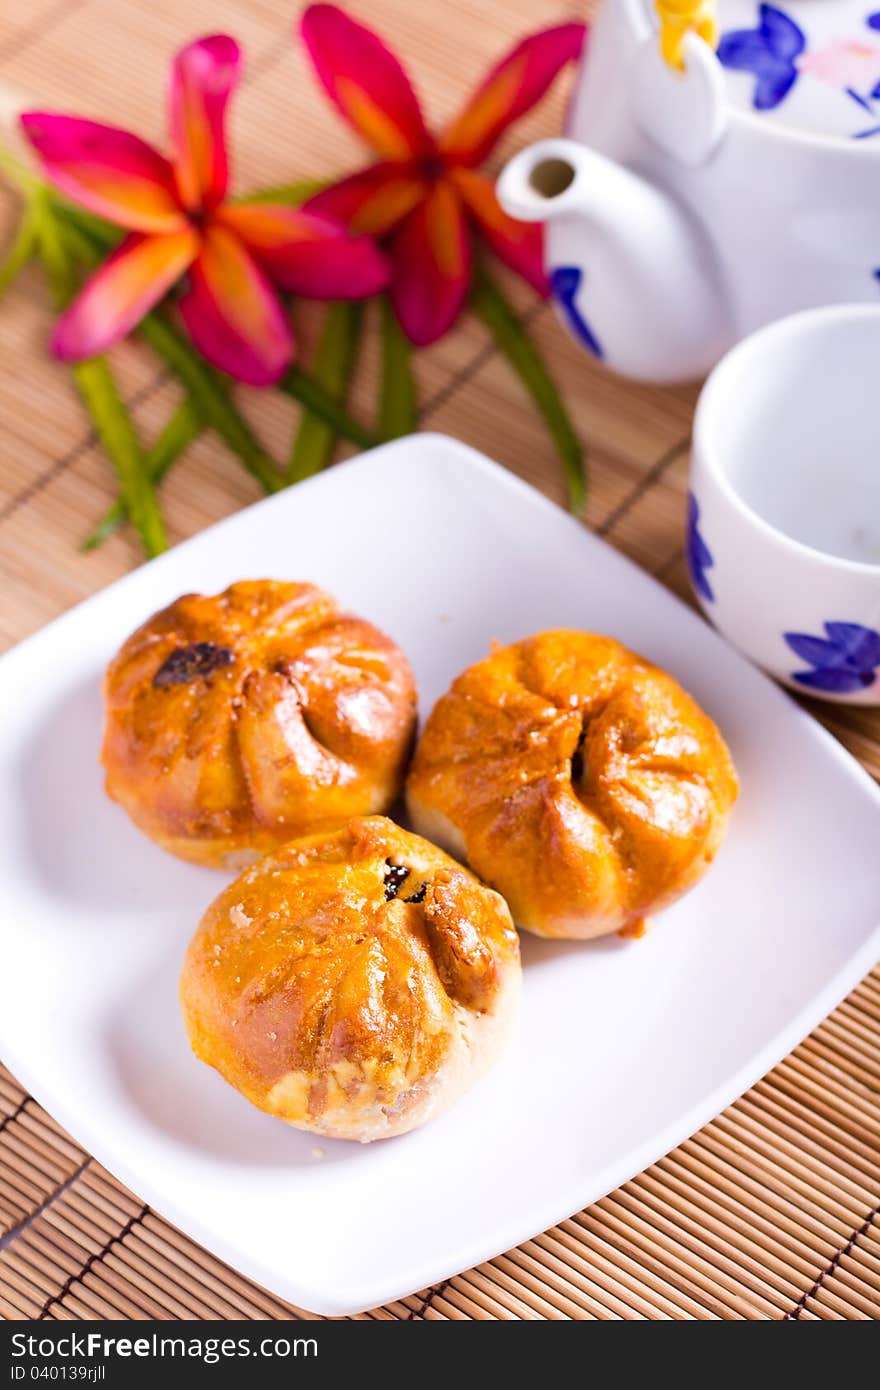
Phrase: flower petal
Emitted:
{"points": [[116, 297], [106, 170], [431, 255], [518, 244], [204, 76], [306, 253], [372, 201], [232, 313], [512, 88], [365, 80]]}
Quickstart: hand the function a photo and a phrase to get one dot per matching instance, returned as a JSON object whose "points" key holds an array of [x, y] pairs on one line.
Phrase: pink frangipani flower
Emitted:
{"points": [[235, 256], [424, 197]]}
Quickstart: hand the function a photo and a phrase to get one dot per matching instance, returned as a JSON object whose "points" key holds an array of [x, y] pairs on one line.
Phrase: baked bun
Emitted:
{"points": [[577, 779], [239, 721], [353, 983]]}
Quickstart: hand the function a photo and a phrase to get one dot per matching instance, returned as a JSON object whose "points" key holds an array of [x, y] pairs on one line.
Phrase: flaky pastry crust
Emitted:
{"points": [[238, 721], [576, 778], [353, 983]]}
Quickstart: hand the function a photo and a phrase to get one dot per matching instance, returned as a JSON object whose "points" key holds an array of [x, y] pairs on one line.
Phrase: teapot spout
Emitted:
{"points": [[549, 180], [633, 275]]}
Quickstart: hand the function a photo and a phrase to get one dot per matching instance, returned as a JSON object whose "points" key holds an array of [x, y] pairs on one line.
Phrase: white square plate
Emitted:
{"points": [[624, 1048]]}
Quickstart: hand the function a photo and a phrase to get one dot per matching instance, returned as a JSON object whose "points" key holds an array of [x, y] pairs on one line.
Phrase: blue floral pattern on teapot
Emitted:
{"points": [[565, 281], [777, 52]]}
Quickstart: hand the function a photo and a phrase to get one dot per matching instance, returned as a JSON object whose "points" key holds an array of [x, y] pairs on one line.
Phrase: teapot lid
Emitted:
{"points": [[813, 65]]}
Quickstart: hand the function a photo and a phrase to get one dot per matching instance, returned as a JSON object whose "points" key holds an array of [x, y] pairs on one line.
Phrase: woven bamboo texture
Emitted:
{"points": [[771, 1212]]}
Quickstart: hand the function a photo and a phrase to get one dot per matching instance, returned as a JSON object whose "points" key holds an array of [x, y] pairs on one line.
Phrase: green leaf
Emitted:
{"points": [[398, 402], [305, 389], [93, 230], [97, 387], [182, 429], [334, 360], [18, 173], [110, 522], [209, 396], [25, 245], [513, 341], [116, 431], [288, 194], [54, 250]]}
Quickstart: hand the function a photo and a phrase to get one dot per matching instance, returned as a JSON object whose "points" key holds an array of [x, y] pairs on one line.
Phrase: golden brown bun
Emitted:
{"points": [[238, 721], [353, 983], [577, 779]]}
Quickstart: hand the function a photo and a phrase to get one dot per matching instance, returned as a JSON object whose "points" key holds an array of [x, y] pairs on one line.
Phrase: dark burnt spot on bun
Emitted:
{"points": [[395, 877], [195, 662]]}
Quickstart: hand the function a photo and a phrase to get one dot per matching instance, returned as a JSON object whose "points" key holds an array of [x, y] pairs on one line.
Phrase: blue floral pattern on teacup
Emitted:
{"points": [[699, 556], [778, 54], [844, 661]]}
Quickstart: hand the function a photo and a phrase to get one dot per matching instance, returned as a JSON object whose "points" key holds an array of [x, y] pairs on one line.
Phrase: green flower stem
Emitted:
{"points": [[100, 235], [398, 402], [209, 397], [305, 389], [287, 194], [25, 179], [90, 237], [513, 341], [334, 360], [185, 425], [25, 245], [98, 389], [116, 431]]}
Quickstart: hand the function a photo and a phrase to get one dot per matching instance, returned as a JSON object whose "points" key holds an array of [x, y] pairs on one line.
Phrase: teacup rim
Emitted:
{"points": [[705, 424]]}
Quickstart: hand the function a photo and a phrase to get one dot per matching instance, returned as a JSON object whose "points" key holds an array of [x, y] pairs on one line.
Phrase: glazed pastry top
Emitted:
{"points": [[262, 707], [343, 960], [582, 779]]}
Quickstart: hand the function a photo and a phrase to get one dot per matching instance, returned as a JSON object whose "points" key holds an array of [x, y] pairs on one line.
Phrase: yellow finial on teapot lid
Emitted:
{"points": [[680, 17]]}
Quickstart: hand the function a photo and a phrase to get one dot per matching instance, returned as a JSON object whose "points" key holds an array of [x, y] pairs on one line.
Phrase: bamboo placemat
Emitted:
{"points": [[771, 1211]]}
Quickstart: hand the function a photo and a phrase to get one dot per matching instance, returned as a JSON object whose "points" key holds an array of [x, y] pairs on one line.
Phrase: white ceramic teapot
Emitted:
{"points": [[693, 204]]}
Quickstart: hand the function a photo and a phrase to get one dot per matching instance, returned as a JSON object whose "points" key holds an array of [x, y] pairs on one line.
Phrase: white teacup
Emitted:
{"points": [[783, 538]]}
